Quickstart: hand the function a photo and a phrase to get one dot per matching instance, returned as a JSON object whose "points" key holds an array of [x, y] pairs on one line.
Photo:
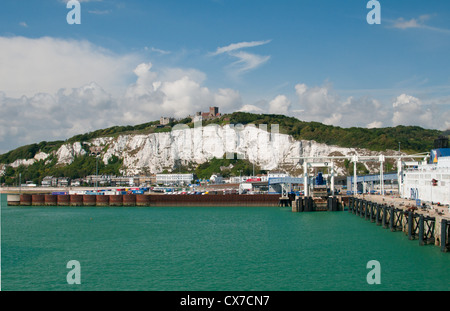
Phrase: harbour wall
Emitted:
{"points": [[143, 200]]}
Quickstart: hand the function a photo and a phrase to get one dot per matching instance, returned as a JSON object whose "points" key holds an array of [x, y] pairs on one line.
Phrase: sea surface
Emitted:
{"points": [[209, 249]]}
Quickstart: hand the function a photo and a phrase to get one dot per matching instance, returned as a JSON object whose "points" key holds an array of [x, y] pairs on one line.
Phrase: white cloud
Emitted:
{"points": [[23, 24], [159, 51], [251, 109], [323, 104], [68, 87], [409, 110], [100, 12], [53, 64], [174, 92], [245, 61], [279, 105], [375, 124], [401, 23], [418, 22], [238, 46]]}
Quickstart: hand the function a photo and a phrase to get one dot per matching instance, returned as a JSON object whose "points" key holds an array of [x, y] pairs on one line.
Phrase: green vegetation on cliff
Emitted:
{"points": [[412, 139], [81, 167]]}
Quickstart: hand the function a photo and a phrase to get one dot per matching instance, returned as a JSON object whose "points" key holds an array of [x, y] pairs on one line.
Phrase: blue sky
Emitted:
{"points": [[130, 62]]}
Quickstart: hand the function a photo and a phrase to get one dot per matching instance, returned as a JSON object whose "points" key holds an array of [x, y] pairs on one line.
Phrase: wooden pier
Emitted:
{"points": [[413, 222]]}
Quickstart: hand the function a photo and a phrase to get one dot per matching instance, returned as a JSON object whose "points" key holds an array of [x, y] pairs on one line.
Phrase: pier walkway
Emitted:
{"points": [[430, 225]]}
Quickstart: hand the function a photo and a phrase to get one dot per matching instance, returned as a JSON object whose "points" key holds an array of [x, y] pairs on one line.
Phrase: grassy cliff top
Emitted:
{"points": [[412, 138]]}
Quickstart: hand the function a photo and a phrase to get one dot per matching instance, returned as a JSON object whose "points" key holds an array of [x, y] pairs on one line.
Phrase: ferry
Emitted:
{"points": [[429, 181]]}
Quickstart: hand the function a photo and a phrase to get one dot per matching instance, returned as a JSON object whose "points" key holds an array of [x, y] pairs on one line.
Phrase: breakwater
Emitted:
{"points": [[143, 200], [416, 224]]}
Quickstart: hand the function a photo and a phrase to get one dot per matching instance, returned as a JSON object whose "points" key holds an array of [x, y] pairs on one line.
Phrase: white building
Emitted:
{"points": [[277, 174], [429, 182], [174, 179]]}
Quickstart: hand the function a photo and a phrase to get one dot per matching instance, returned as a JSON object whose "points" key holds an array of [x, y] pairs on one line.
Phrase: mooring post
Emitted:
{"points": [[444, 235], [391, 219], [378, 214], [421, 230], [410, 224], [384, 220], [371, 212], [335, 204], [366, 212]]}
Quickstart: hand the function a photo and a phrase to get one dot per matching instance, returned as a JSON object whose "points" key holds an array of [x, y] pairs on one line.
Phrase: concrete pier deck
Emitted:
{"points": [[432, 210]]}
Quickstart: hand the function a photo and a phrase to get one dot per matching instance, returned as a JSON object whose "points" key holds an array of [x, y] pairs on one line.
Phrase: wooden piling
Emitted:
{"points": [[444, 235]]}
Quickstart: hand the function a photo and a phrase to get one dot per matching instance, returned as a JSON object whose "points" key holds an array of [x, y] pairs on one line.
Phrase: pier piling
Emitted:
{"points": [[444, 236]]}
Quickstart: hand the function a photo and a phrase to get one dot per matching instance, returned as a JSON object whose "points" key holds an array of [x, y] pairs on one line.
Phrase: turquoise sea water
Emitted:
{"points": [[209, 248]]}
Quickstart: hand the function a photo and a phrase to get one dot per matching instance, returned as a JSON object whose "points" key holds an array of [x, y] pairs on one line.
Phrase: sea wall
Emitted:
{"points": [[145, 200]]}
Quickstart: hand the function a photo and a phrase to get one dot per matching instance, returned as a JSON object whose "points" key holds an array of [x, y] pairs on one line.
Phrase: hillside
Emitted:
{"points": [[129, 148]]}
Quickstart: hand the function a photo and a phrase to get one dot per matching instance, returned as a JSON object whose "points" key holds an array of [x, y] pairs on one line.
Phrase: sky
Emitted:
{"points": [[131, 62]]}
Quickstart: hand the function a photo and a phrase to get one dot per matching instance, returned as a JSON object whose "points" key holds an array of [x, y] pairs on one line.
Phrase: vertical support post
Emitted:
{"points": [[410, 225], [444, 235], [391, 219], [384, 220], [378, 214], [305, 178], [355, 180], [421, 230], [371, 211], [332, 178], [381, 174], [400, 177]]}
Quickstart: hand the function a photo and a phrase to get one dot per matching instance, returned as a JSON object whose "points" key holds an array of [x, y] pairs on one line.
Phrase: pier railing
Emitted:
{"points": [[426, 229]]}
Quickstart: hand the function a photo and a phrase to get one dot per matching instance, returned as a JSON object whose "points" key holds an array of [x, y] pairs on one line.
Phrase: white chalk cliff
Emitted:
{"points": [[153, 153]]}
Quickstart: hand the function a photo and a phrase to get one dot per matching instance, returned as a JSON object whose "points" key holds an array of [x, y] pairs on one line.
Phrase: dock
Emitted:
{"points": [[428, 226]]}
